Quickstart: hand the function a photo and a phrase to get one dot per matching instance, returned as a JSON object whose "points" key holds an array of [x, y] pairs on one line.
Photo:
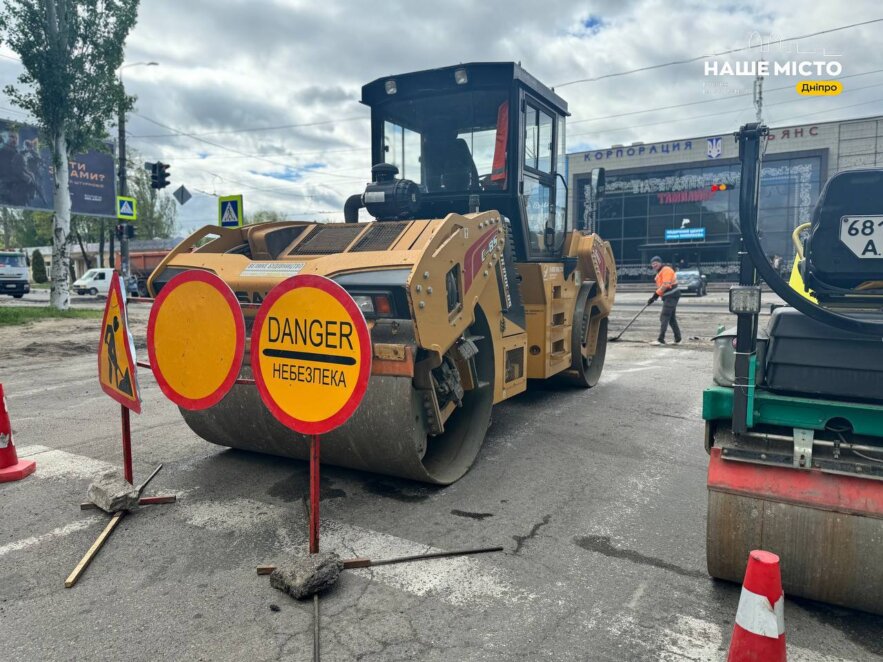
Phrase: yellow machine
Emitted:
{"points": [[471, 277]]}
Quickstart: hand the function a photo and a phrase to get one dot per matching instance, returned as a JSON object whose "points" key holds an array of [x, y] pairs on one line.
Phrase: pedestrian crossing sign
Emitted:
{"points": [[116, 351], [230, 211], [127, 208]]}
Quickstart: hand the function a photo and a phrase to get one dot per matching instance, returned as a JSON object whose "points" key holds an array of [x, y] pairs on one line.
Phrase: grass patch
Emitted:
{"points": [[41, 286], [14, 315]]}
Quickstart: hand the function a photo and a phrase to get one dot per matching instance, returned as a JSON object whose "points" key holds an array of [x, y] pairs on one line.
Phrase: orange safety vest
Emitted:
{"points": [[665, 280]]}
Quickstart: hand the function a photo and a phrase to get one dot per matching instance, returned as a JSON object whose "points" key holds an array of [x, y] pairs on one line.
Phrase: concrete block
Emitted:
{"points": [[112, 493], [303, 576]]}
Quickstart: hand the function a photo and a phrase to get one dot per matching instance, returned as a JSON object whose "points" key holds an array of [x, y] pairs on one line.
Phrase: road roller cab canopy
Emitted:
{"points": [[477, 137]]}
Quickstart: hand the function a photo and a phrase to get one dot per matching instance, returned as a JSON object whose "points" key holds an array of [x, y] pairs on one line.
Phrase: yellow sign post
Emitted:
{"points": [[116, 351], [117, 372], [311, 358], [196, 339]]}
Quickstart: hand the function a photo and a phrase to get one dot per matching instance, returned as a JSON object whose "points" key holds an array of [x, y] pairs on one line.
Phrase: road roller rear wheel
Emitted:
{"points": [[387, 434]]}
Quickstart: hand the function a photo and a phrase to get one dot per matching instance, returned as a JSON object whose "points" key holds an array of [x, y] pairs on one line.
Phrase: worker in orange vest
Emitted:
{"points": [[667, 289]]}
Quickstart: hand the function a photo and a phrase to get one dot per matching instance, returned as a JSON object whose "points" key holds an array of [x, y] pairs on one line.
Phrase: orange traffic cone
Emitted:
{"points": [[10, 466], [759, 633]]}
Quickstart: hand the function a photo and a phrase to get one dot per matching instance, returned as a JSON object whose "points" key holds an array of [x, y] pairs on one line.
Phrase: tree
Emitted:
{"points": [[10, 225], [38, 266], [70, 50], [264, 216], [156, 209], [35, 229]]}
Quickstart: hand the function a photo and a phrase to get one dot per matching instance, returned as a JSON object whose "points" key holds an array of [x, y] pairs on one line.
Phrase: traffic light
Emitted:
{"points": [[129, 230], [159, 175]]}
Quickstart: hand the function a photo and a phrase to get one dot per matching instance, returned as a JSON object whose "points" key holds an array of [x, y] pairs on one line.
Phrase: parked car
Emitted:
{"points": [[94, 281], [693, 281]]}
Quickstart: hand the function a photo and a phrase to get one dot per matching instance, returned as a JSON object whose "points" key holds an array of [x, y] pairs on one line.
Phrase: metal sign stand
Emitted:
{"points": [[314, 494]]}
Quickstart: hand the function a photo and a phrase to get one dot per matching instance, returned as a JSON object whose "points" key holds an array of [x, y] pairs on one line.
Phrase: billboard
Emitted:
{"points": [[26, 174]]}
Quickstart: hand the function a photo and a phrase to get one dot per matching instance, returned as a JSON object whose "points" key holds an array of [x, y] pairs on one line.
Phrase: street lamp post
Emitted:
{"points": [[122, 187]]}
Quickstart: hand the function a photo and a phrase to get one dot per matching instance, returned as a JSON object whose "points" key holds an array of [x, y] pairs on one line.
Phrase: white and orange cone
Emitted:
{"points": [[11, 468], [759, 633]]}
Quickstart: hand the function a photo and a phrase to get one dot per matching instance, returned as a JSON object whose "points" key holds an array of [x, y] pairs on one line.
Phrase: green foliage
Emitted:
{"points": [[19, 228], [10, 222], [38, 266], [15, 315], [264, 216], [71, 50], [157, 210]]}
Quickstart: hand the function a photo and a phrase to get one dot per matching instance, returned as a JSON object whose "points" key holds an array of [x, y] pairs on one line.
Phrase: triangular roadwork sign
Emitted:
{"points": [[116, 351], [230, 215]]}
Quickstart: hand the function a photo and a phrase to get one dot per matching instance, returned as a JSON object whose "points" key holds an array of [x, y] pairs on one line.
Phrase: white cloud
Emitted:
{"points": [[237, 64]]}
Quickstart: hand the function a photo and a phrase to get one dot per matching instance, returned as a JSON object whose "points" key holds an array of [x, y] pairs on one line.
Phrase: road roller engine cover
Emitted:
{"points": [[794, 422], [471, 276]]}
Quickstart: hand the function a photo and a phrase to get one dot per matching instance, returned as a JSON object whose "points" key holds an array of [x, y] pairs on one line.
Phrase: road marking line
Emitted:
{"points": [[458, 581], [34, 391], [697, 639], [61, 531], [53, 463]]}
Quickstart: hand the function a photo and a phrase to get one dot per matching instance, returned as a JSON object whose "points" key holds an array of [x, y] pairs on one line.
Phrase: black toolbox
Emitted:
{"points": [[810, 358]]}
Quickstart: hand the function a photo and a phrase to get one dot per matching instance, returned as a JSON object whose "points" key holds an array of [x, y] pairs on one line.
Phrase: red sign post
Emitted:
{"points": [[311, 359]]}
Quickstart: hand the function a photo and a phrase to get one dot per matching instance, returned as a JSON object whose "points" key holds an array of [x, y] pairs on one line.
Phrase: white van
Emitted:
{"points": [[94, 281]]}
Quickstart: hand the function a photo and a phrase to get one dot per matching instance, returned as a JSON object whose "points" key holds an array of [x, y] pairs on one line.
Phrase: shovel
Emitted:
{"points": [[619, 335]]}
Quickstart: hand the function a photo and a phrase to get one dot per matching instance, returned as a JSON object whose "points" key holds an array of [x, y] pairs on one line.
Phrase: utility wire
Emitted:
{"points": [[255, 129], [697, 117], [709, 55], [232, 149]]}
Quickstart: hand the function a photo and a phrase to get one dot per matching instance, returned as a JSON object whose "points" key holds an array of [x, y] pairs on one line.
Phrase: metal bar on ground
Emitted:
{"points": [[149, 478], [94, 549], [436, 555], [361, 562], [127, 444], [314, 494]]}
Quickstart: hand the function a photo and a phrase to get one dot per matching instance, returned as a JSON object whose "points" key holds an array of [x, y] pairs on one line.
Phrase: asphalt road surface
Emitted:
{"points": [[597, 496]]}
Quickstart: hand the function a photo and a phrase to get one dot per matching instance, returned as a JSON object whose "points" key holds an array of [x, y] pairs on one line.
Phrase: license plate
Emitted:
{"points": [[10, 286], [863, 235]]}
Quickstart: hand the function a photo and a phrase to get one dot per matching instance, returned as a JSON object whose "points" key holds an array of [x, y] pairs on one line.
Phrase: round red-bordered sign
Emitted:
{"points": [[317, 375], [196, 339]]}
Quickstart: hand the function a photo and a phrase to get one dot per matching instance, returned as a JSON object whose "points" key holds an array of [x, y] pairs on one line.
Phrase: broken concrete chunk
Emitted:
{"points": [[303, 576], [113, 493]]}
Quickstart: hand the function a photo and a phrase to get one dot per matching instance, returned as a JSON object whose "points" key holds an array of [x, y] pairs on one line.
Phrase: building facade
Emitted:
{"points": [[680, 199]]}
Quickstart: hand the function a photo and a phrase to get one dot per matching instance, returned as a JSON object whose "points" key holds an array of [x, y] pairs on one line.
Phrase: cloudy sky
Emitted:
{"points": [[260, 97]]}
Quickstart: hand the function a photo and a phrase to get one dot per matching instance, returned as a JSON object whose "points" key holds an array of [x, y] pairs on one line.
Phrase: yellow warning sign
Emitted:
{"points": [[116, 352], [311, 354], [196, 339]]}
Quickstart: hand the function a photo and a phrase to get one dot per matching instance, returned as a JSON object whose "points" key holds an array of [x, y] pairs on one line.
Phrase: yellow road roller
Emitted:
{"points": [[471, 274]]}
